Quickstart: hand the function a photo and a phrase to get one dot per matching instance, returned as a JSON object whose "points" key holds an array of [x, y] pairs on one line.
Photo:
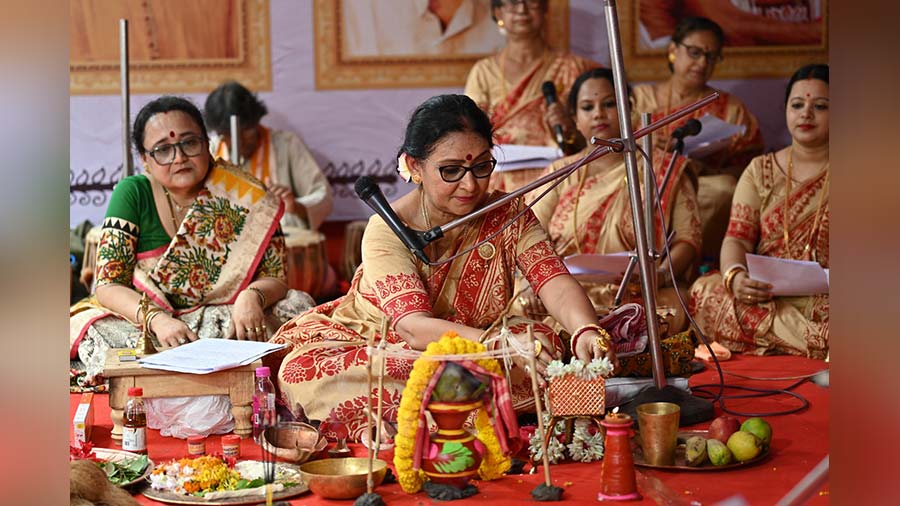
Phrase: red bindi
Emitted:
{"points": [[171, 133], [807, 95], [468, 158]]}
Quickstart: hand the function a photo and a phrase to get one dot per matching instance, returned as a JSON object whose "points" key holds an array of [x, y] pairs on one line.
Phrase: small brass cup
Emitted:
{"points": [[658, 424]]}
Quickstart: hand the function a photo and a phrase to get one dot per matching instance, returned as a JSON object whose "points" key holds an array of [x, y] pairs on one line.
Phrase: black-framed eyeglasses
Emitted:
{"points": [[512, 4], [695, 53], [481, 170], [164, 154]]}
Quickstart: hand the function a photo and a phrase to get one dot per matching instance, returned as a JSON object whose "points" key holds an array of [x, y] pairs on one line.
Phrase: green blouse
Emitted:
{"points": [[132, 201]]}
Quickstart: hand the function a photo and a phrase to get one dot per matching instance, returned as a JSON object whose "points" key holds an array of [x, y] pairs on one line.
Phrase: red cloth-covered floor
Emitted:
{"points": [[800, 441]]}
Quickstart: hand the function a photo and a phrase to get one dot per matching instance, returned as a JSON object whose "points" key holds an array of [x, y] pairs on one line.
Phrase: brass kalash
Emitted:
{"points": [[145, 342]]}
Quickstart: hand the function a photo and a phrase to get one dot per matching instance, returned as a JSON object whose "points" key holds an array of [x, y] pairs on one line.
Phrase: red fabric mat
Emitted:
{"points": [[799, 442]]}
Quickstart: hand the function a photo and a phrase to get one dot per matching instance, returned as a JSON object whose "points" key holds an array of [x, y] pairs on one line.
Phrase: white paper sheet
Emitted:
{"points": [[597, 268], [204, 356], [715, 135], [515, 157], [788, 277]]}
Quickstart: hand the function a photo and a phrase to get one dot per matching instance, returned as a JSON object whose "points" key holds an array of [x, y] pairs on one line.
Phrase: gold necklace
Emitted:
{"points": [[787, 201], [174, 205]]}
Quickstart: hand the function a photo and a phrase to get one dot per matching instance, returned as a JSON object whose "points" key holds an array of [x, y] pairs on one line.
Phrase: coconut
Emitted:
{"points": [[88, 485]]}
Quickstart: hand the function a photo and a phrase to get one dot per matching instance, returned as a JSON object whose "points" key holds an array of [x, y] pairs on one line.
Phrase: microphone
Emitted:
{"points": [[548, 89], [371, 194], [691, 127]]}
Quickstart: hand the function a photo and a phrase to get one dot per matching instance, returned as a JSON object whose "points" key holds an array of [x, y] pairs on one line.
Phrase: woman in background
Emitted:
{"points": [[507, 86], [693, 52], [590, 211], [781, 210], [190, 249]]}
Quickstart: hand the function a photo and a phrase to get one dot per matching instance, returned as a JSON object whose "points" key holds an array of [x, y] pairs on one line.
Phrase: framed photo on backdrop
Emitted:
{"points": [[174, 46], [404, 44], [769, 38]]}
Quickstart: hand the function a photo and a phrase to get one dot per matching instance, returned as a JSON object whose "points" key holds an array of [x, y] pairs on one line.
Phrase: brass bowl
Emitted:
{"points": [[341, 478], [294, 441]]}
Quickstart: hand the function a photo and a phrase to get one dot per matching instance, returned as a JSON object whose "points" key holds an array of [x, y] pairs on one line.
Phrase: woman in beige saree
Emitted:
{"points": [[781, 210], [198, 240], [507, 86], [694, 51], [447, 151], [590, 211]]}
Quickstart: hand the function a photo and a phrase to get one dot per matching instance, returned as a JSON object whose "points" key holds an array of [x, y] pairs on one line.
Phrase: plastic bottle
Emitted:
{"points": [[134, 428], [263, 402]]}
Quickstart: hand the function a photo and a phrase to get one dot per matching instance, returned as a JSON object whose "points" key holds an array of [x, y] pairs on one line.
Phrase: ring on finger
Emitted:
{"points": [[181, 340], [538, 346], [258, 330]]}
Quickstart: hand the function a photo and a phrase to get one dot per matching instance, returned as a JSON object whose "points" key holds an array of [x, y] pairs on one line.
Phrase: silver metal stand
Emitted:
{"points": [[645, 262], [235, 140], [127, 164]]}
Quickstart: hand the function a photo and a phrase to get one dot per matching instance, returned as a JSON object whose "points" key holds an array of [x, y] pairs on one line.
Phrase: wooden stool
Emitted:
{"points": [[237, 383]]}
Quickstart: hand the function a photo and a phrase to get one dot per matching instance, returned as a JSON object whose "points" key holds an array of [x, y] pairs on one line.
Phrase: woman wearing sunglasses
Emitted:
{"points": [[447, 154], [693, 52], [193, 237]]}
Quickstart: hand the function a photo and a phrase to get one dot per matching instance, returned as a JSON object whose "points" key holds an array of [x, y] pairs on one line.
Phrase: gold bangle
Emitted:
{"points": [[259, 293], [148, 317], [730, 274]]}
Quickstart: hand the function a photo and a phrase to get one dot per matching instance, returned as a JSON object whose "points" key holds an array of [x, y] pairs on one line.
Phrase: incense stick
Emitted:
{"points": [[532, 360]]}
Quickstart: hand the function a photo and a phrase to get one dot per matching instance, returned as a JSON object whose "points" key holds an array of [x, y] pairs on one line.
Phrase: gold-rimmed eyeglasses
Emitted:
{"points": [[695, 53]]}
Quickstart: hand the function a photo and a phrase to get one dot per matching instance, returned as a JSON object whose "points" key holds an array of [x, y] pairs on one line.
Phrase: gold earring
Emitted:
{"points": [[500, 23], [417, 179], [671, 57]]}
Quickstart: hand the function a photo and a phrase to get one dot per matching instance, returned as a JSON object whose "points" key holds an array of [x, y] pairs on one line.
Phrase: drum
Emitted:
{"points": [[353, 233], [89, 261], [307, 265]]}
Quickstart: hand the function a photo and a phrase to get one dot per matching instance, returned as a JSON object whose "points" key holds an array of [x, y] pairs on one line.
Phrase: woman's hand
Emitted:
{"points": [[248, 318], [530, 302], [588, 348], [750, 291], [286, 195], [170, 331], [547, 354]]}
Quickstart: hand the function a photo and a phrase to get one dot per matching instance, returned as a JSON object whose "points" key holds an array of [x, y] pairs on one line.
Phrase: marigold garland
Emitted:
{"points": [[494, 463]]}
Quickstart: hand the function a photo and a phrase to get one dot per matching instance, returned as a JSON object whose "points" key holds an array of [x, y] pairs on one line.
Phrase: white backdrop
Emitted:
{"points": [[349, 132]]}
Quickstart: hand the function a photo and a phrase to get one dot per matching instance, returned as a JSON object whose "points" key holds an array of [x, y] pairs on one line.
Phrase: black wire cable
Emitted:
{"points": [[719, 397]]}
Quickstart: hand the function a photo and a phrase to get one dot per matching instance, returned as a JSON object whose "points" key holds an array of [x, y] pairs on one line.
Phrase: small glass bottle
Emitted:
{"points": [[263, 403], [134, 428]]}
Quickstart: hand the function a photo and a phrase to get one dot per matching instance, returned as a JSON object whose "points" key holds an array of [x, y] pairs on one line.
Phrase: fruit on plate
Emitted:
{"points": [[759, 428], [719, 454], [695, 451], [744, 446], [723, 427]]}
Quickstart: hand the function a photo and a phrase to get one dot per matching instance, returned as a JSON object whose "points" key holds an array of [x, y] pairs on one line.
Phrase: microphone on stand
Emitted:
{"points": [[548, 89], [689, 128], [371, 194]]}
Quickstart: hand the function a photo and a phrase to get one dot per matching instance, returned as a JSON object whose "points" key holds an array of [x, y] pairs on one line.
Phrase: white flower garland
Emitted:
{"points": [[584, 446]]}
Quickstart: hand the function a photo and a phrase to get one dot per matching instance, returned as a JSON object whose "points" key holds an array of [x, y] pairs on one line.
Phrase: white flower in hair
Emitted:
{"points": [[403, 169]]}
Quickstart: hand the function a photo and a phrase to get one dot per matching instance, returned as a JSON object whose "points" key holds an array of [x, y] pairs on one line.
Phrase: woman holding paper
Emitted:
{"points": [[190, 249], [780, 209], [590, 211], [693, 52], [507, 85]]}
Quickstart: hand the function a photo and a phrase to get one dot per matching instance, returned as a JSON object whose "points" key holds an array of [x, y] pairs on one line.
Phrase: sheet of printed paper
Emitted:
{"points": [[204, 356], [516, 157], [788, 277], [597, 268]]}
